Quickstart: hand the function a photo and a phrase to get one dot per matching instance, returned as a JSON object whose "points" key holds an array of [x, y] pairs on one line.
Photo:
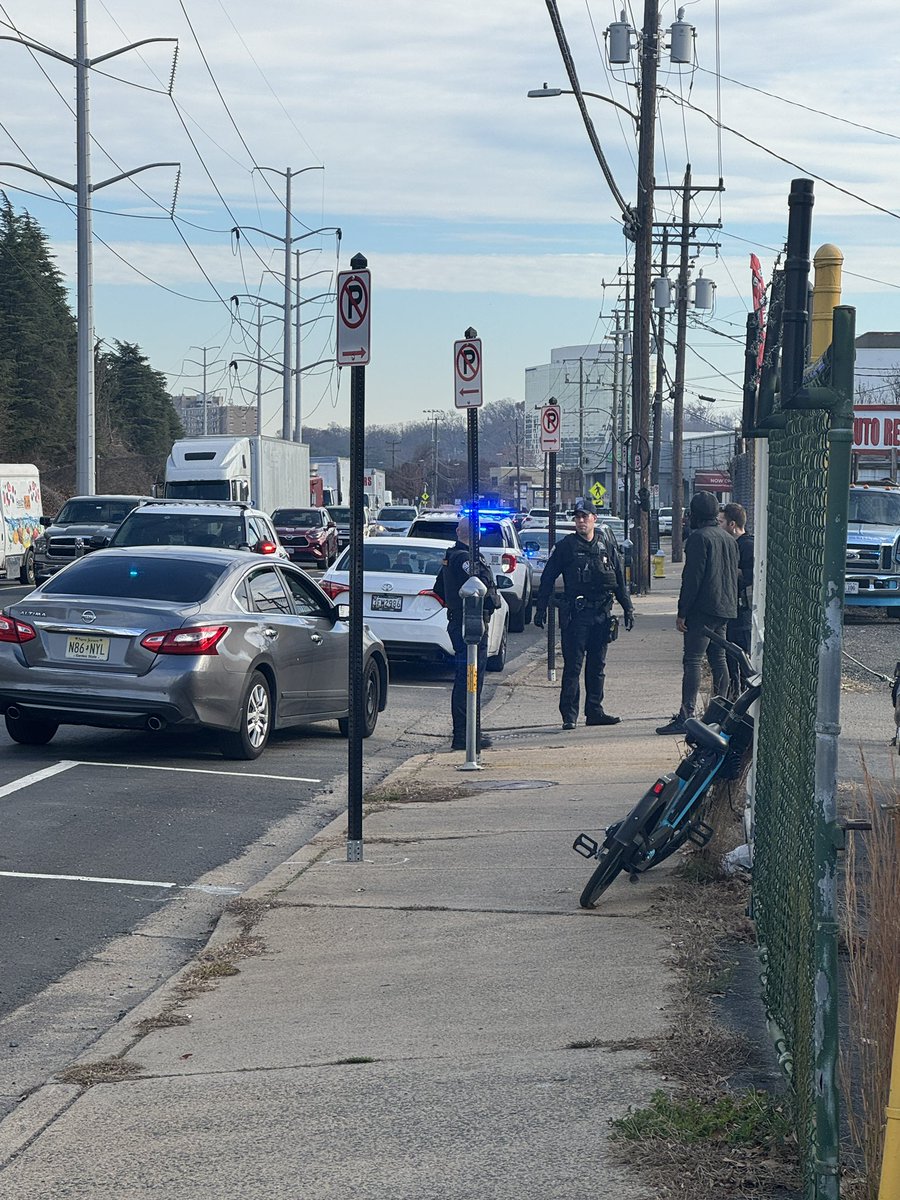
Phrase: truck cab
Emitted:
{"points": [[216, 468], [872, 576]]}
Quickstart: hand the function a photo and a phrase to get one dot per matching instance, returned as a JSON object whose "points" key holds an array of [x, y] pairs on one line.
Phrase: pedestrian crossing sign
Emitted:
{"points": [[424, 496], [598, 493]]}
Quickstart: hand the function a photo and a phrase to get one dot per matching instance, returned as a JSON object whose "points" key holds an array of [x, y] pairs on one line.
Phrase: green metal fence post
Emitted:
{"points": [[828, 833]]}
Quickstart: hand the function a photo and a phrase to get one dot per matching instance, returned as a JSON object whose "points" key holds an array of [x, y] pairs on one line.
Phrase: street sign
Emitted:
{"points": [[598, 493], [551, 432], [354, 295], [467, 373]]}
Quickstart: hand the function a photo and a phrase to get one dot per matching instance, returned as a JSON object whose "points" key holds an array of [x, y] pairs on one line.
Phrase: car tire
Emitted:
{"points": [[30, 731], [498, 661], [371, 703], [27, 574], [252, 737], [520, 616]]}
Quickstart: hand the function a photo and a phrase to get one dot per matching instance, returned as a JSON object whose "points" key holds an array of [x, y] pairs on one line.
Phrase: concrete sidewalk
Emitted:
{"points": [[403, 1028]]}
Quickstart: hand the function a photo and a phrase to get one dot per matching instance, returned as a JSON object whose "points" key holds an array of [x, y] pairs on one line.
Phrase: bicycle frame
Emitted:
{"points": [[667, 815]]}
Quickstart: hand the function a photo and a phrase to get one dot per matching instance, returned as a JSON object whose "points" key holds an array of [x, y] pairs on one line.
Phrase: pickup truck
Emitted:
{"points": [[873, 548]]}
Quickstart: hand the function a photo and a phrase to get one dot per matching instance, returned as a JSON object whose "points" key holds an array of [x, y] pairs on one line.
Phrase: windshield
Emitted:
{"points": [[297, 516], [180, 581], [180, 529], [199, 489], [94, 512], [397, 514], [875, 508], [340, 516]]}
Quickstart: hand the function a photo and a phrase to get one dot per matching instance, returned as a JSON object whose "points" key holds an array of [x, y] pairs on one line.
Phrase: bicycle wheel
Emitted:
{"points": [[611, 860]]}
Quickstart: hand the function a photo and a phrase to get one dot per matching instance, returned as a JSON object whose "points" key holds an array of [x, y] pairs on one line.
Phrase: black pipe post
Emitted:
{"points": [[551, 542], [474, 531], [355, 655], [796, 288]]}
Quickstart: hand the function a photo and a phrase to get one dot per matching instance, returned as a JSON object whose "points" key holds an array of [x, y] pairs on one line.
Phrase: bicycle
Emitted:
{"points": [[669, 813]]}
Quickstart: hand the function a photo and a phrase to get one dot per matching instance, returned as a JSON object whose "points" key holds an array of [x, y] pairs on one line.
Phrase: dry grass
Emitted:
{"points": [[871, 934], [215, 964]]}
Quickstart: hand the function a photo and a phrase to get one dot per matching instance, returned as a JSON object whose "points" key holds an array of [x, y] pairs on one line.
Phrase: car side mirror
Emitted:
{"points": [[46, 521], [531, 547], [98, 541], [503, 582], [343, 612]]}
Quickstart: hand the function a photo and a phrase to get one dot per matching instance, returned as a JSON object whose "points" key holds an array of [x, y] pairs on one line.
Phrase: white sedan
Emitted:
{"points": [[399, 603]]}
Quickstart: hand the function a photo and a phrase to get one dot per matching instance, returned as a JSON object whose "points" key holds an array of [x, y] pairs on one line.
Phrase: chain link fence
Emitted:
{"points": [[785, 812]]}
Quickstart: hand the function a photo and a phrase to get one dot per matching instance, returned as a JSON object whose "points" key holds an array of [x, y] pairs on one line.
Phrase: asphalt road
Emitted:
{"points": [[120, 850]]}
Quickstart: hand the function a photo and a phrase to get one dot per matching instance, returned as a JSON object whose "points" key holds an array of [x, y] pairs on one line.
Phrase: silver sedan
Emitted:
{"points": [[181, 638]]}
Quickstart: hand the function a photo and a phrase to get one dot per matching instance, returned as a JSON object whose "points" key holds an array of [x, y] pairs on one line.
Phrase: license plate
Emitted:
{"points": [[88, 649], [387, 604], [851, 589]]}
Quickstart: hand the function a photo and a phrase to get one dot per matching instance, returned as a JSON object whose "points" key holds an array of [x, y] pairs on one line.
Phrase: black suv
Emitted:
{"points": [[69, 534], [229, 524]]}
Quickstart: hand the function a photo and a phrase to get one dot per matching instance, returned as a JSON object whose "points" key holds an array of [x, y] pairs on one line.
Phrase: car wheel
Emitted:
{"points": [[498, 661], [256, 722], [30, 731], [27, 574], [517, 618], [371, 703]]}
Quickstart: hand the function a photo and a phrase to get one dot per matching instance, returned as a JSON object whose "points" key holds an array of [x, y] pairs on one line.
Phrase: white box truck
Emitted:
{"points": [[334, 472], [267, 472], [20, 512], [374, 489]]}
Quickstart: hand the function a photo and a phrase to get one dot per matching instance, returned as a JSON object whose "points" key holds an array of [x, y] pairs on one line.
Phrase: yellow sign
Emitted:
{"points": [[424, 497], [598, 493]]}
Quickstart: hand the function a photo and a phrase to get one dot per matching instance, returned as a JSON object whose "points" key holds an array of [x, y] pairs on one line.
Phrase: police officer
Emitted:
{"points": [[592, 576], [453, 574]]}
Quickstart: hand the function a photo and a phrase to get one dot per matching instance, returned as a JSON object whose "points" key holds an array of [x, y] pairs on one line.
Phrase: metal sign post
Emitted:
{"points": [[467, 394], [354, 291], [551, 542]]}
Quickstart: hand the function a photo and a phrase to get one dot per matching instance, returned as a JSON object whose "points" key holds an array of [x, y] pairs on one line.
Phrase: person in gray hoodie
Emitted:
{"points": [[708, 600]]}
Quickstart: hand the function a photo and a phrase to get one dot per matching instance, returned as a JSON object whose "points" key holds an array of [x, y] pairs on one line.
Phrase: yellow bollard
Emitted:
{"points": [[889, 1187], [659, 566], [828, 262]]}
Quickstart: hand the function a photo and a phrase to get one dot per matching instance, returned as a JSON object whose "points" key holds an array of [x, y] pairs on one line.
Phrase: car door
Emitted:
{"points": [[328, 679], [286, 638]]}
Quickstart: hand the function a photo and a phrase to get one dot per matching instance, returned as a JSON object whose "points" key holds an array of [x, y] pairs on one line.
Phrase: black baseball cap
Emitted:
{"points": [[584, 506]]}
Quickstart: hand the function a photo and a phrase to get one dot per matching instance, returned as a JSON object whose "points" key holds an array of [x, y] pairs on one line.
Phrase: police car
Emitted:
{"points": [[501, 549], [399, 603]]}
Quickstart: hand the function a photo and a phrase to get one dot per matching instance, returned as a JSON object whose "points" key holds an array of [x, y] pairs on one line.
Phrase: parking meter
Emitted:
{"points": [[473, 592]]}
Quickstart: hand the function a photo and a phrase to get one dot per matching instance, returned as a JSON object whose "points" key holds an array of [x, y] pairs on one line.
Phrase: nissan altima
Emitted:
{"points": [[181, 638]]}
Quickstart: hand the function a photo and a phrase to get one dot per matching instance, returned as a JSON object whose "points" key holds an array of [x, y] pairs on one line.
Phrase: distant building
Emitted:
{"points": [[582, 379], [876, 375], [236, 419]]}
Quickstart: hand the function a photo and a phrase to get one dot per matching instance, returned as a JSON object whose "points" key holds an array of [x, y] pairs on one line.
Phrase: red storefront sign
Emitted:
{"points": [[876, 427], [712, 481]]}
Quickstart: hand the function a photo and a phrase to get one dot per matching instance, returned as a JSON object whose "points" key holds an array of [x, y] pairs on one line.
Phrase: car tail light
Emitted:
{"points": [[266, 548], [16, 631], [433, 596], [507, 563], [199, 639], [332, 589]]}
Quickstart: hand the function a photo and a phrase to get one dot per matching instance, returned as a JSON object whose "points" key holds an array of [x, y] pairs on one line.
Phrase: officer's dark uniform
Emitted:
{"points": [[592, 576], [453, 574]]}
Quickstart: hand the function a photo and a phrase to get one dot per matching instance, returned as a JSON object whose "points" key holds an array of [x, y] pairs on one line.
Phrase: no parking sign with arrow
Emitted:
{"points": [[551, 434], [354, 293], [467, 373]]}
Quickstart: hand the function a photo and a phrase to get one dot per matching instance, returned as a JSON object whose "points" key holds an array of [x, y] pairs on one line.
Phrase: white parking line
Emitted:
{"points": [[434, 687], [35, 777], [209, 888], [189, 770]]}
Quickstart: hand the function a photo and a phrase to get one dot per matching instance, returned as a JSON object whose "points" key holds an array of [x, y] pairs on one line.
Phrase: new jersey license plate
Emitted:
{"points": [[87, 649], [387, 604]]}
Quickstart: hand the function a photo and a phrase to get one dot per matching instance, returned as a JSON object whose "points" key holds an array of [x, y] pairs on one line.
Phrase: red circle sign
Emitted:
{"points": [[353, 302], [550, 419], [468, 362]]}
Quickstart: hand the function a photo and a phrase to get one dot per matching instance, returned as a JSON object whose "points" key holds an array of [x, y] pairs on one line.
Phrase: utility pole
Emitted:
{"points": [[518, 463], [393, 446], [288, 240], [434, 413], [643, 261], [83, 187], [660, 372], [614, 463], [678, 396]]}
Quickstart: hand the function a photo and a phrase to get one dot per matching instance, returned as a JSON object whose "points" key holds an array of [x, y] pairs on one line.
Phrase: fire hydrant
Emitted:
{"points": [[659, 565]]}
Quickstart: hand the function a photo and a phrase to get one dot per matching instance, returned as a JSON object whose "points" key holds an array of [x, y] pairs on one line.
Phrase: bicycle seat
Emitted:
{"points": [[703, 735]]}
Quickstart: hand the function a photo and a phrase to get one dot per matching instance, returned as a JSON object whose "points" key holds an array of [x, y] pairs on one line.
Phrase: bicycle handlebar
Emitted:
{"points": [[730, 648]]}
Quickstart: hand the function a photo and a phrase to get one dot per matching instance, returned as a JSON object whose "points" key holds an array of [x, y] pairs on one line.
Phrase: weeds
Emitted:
{"points": [[104, 1070], [750, 1118], [871, 934]]}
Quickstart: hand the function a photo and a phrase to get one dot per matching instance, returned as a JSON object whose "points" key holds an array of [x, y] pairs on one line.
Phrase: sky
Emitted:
{"points": [[409, 128]]}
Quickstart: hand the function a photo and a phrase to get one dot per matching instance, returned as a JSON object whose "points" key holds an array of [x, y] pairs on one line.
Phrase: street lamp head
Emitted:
{"points": [[536, 93], [359, 262]]}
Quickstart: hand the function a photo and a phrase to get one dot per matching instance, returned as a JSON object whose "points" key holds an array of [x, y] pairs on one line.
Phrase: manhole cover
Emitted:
{"points": [[510, 785]]}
